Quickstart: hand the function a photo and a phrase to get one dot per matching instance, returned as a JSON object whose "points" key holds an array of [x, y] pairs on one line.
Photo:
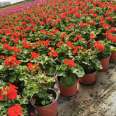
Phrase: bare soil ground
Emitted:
{"points": [[94, 100]]}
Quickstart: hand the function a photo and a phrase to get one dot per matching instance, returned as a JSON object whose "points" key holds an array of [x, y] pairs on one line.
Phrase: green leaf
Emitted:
{"points": [[79, 71]]}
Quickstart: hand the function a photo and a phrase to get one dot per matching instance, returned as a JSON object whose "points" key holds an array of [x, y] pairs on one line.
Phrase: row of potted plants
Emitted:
{"points": [[36, 89], [67, 41]]}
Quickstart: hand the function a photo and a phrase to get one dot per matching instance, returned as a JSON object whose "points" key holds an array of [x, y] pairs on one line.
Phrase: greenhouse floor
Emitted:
{"points": [[95, 100]]}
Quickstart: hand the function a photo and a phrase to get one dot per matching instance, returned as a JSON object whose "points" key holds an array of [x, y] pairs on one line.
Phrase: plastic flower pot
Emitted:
{"points": [[113, 56], [49, 110], [70, 90], [105, 64], [88, 79]]}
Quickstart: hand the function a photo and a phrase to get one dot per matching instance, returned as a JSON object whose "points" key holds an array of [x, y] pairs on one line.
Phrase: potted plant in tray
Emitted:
{"points": [[104, 52], [68, 73], [39, 89], [87, 58]]}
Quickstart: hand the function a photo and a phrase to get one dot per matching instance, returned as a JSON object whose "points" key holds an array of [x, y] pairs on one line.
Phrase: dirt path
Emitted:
{"points": [[95, 100]]}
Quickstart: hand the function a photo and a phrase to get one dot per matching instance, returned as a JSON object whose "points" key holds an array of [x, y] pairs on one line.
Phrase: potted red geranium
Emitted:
{"points": [[68, 73], [111, 35], [87, 58], [104, 53], [39, 89], [10, 100]]}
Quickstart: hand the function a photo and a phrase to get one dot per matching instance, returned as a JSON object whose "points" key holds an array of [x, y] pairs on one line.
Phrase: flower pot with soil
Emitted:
{"points": [[88, 60], [46, 103], [68, 86]]}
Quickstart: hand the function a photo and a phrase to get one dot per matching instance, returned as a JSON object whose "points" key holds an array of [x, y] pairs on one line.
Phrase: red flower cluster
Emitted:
{"points": [[76, 49], [11, 61], [30, 66], [92, 35], [59, 44], [26, 45], [34, 55], [63, 15], [53, 53], [12, 92], [70, 44], [69, 62], [11, 48], [99, 46], [110, 35], [45, 43], [15, 110], [78, 37], [8, 92]]}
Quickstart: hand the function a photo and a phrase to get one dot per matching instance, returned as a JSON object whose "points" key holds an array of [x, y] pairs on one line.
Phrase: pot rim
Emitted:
{"points": [[58, 78], [76, 82], [106, 57], [91, 73]]}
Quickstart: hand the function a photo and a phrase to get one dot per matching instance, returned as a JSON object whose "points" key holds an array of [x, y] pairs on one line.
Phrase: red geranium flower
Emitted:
{"points": [[24, 23], [15, 40], [106, 26], [63, 15], [3, 39], [76, 48], [12, 92], [8, 32], [34, 55], [92, 35], [59, 44], [58, 20], [26, 45], [15, 49], [63, 35], [15, 110], [7, 47], [9, 92], [77, 15], [45, 43], [30, 66], [53, 53], [70, 44], [11, 61], [110, 35], [99, 46], [69, 62], [78, 37]]}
